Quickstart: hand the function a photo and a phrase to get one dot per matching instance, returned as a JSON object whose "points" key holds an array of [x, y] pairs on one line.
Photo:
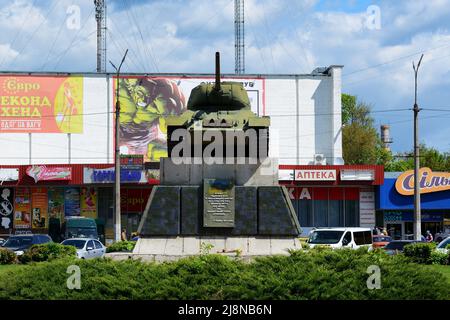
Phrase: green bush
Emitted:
{"points": [[47, 252], [314, 274], [438, 257], [7, 256], [121, 246], [419, 252]]}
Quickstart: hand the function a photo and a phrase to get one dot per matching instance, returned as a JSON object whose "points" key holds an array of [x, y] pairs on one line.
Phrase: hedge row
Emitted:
{"points": [[38, 253], [317, 274], [426, 253], [121, 246]]}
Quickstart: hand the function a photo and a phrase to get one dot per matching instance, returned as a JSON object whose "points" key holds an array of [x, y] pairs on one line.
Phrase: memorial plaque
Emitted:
{"points": [[218, 203]]}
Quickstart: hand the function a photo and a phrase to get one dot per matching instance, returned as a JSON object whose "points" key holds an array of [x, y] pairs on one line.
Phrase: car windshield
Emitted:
{"points": [[14, 242], [444, 244], [82, 233], [79, 244], [325, 237], [382, 239]]}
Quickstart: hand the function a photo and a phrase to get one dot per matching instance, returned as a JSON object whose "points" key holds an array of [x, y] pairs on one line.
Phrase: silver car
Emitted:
{"points": [[86, 248], [442, 246]]}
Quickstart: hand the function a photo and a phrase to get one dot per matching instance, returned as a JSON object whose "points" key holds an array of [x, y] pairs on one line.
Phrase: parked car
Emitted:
{"points": [[379, 241], [442, 246], [79, 227], [86, 248], [396, 246], [438, 237], [21, 243], [341, 237]]}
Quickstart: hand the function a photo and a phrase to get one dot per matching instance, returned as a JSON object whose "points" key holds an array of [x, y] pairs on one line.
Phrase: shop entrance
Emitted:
{"points": [[394, 230], [130, 221]]}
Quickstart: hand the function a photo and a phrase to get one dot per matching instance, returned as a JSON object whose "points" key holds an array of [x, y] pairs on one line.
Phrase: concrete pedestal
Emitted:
{"points": [[235, 246]]}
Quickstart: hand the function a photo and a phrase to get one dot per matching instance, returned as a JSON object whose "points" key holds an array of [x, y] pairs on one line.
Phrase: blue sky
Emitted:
{"points": [[282, 36]]}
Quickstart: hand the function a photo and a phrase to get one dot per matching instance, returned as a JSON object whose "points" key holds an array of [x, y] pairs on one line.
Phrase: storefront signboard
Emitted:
{"points": [[6, 208], [132, 162], [39, 202], [89, 202], [56, 203], [72, 201], [428, 181], [286, 175], [357, 175], [315, 175], [91, 175], [22, 209], [44, 173], [9, 175]]}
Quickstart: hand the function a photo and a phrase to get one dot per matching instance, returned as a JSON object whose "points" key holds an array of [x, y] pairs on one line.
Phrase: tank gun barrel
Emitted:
{"points": [[217, 85]]}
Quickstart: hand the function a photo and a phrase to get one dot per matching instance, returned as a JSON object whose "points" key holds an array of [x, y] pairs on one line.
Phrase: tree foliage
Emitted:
{"points": [[360, 141], [429, 157], [362, 144]]}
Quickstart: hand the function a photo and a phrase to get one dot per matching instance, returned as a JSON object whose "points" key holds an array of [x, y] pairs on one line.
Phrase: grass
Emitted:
{"points": [[445, 270], [7, 267]]}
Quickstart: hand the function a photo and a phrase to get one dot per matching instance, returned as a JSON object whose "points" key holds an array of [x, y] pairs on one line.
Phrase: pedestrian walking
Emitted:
{"points": [[123, 236], [429, 237]]}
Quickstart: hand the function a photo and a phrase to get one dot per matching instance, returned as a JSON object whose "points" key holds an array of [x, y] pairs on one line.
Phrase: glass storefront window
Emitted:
{"points": [[336, 213], [351, 213]]}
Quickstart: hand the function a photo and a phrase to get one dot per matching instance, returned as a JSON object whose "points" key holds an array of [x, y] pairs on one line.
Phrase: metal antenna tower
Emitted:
{"points": [[239, 45], [100, 17]]}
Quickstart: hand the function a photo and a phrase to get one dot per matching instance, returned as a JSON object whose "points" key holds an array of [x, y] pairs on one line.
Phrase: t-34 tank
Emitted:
{"points": [[218, 179], [225, 108]]}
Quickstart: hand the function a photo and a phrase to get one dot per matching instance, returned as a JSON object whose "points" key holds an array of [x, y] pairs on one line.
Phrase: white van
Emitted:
{"points": [[341, 237]]}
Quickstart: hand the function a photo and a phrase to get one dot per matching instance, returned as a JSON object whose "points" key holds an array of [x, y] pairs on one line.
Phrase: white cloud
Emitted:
{"points": [[282, 36]]}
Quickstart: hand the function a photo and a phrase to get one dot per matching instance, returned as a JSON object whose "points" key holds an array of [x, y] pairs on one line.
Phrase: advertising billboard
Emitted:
{"points": [[41, 104], [22, 209], [6, 208], [39, 201], [145, 102]]}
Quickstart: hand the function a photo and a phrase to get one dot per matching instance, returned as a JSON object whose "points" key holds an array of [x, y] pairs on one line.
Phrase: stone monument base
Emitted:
{"points": [[233, 246]]}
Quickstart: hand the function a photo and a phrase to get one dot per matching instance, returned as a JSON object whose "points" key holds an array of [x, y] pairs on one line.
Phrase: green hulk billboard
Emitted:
{"points": [[145, 103]]}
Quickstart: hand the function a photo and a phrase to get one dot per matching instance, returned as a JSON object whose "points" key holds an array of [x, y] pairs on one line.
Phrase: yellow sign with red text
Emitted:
{"points": [[41, 104]]}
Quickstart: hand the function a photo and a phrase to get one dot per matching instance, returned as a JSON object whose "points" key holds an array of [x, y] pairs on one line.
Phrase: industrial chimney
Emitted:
{"points": [[385, 137]]}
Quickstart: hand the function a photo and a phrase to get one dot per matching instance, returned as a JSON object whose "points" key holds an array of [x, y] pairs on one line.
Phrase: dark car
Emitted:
{"points": [[20, 243], [396, 246], [380, 241]]}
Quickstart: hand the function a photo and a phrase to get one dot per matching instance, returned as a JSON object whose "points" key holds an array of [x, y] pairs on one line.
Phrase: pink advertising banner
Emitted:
{"points": [[44, 173]]}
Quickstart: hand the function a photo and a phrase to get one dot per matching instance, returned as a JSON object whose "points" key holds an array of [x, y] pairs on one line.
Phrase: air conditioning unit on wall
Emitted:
{"points": [[319, 159]]}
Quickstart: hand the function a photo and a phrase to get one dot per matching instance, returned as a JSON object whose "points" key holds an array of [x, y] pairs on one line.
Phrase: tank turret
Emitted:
{"points": [[222, 106]]}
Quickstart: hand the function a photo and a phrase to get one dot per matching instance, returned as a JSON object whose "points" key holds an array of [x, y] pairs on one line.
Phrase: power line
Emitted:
{"points": [[142, 56], [53, 6], [20, 30], [218, 11], [149, 52], [395, 68], [53, 44], [394, 60], [124, 39], [120, 49], [71, 43]]}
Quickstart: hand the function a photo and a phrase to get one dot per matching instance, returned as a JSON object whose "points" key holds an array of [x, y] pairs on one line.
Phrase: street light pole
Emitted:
{"points": [[417, 213], [117, 223]]}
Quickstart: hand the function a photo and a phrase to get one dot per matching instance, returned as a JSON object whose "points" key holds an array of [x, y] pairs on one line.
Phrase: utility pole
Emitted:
{"points": [[117, 223], [417, 213], [100, 17], [239, 37]]}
